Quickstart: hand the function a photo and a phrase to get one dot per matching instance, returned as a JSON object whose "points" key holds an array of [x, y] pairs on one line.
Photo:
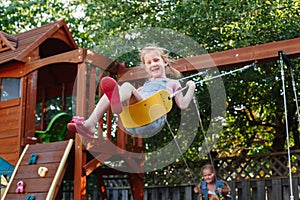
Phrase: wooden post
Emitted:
{"points": [[31, 88], [80, 155], [137, 185]]}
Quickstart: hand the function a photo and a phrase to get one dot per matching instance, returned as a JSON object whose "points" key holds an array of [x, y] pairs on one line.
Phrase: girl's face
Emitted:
{"points": [[155, 65], [208, 176]]}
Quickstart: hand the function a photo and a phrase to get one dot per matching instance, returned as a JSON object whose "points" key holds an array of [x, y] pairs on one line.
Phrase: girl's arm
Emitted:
{"points": [[181, 100], [197, 189], [226, 189]]}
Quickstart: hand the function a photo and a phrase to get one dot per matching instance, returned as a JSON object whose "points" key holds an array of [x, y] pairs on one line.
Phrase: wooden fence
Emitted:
{"points": [[259, 177], [258, 189], [265, 189]]}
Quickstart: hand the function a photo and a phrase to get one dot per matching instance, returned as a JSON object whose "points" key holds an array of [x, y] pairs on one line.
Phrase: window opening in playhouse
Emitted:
{"points": [[10, 88]]}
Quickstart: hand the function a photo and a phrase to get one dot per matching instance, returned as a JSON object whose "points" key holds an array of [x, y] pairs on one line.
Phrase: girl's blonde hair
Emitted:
{"points": [[164, 55], [208, 167]]}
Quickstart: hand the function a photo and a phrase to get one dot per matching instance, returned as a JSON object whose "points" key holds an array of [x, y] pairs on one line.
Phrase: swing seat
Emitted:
{"points": [[147, 110]]}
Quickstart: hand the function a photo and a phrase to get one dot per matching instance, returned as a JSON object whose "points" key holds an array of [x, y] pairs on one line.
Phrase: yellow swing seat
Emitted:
{"points": [[147, 110]]}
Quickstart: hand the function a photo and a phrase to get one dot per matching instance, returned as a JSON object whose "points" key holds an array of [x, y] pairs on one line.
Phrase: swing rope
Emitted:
{"points": [[231, 72], [202, 129], [205, 139], [198, 114], [286, 123], [290, 64], [193, 75], [181, 153], [295, 94], [211, 78]]}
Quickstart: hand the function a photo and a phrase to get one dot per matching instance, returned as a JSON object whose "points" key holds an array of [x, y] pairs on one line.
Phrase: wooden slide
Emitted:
{"points": [[39, 171]]}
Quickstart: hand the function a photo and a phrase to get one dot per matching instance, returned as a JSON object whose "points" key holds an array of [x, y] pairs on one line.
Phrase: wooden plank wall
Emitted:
{"points": [[10, 129], [49, 155]]}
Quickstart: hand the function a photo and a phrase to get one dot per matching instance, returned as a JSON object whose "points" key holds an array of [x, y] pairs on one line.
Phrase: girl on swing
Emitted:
{"points": [[155, 61], [211, 188]]}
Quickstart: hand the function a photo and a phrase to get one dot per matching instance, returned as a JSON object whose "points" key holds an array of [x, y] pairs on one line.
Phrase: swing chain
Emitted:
{"points": [[226, 73], [210, 78]]}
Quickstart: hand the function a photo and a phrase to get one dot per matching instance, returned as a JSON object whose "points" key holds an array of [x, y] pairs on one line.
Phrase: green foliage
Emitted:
{"points": [[255, 116]]}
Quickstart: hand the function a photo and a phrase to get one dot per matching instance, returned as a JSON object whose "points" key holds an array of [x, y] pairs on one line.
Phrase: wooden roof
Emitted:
{"points": [[30, 40], [7, 42]]}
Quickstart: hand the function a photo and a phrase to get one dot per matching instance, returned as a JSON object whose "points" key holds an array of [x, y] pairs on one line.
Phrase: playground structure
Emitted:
{"points": [[45, 63]]}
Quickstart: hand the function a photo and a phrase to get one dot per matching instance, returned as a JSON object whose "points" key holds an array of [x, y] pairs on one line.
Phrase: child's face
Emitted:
{"points": [[154, 65], [208, 176]]}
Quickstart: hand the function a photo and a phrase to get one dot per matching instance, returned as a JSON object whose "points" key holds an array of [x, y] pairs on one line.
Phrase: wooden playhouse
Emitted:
{"points": [[35, 67]]}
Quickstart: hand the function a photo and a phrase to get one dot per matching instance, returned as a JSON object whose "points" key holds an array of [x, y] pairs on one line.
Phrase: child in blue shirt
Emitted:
{"points": [[210, 187]]}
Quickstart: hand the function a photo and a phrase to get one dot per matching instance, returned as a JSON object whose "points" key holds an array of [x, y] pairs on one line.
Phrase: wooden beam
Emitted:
{"points": [[230, 58], [259, 53], [75, 56], [98, 60], [17, 70], [95, 163], [11, 70]]}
